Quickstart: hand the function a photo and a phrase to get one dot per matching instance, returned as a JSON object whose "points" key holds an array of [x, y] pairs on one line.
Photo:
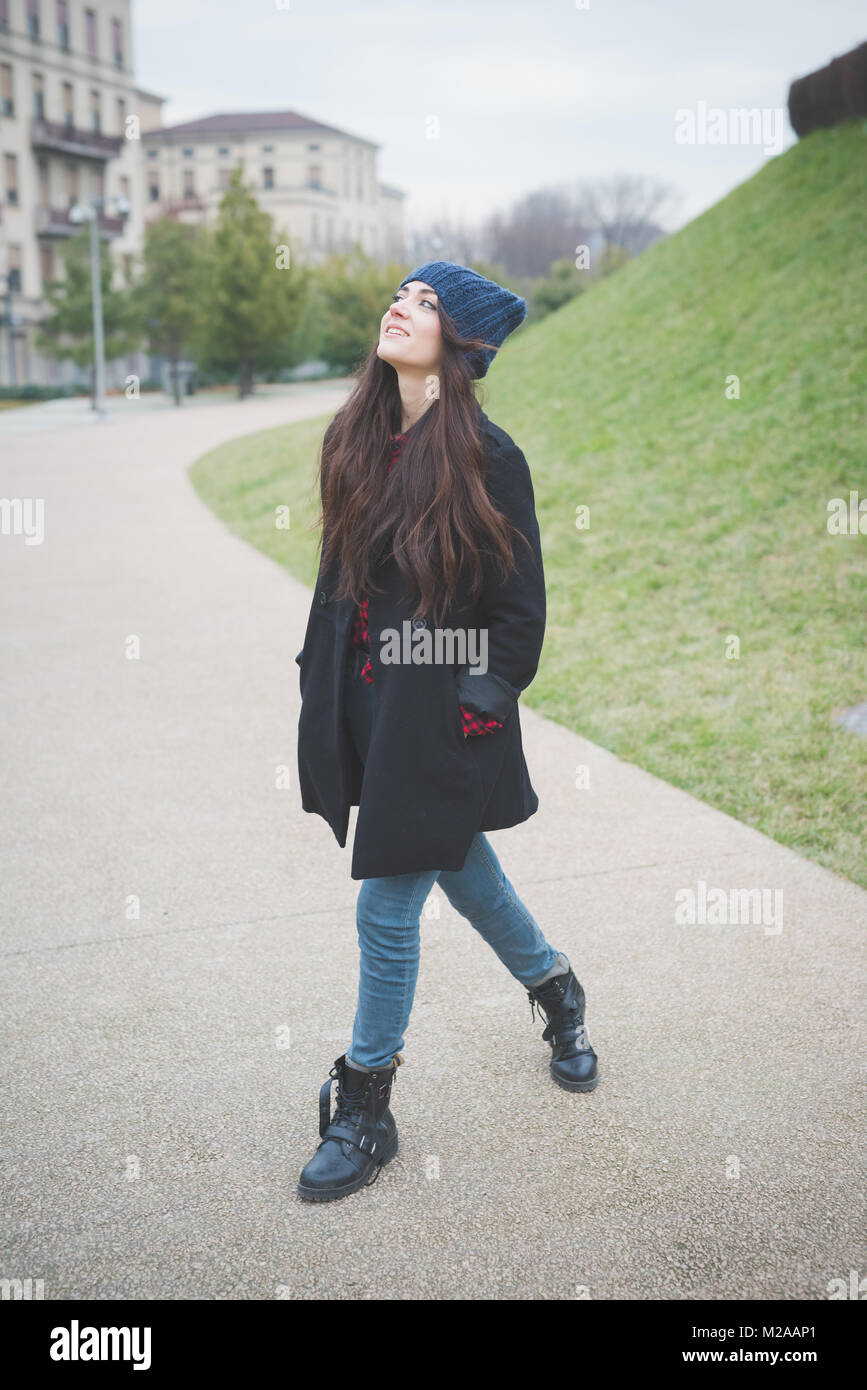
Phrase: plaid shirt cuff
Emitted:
{"points": [[476, 724]]}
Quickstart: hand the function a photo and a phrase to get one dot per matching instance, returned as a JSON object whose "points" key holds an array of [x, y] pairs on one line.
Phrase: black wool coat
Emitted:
{"points": [[425, 789]]}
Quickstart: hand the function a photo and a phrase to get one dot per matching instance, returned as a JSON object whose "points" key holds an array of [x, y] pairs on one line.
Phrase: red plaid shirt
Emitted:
{"points": [[474, 723]]}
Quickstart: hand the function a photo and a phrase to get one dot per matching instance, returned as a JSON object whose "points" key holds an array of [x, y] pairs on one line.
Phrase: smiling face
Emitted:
{"points": [[409, 334]]}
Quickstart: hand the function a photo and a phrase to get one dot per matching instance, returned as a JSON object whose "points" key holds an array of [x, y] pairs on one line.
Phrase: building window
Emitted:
{"points": [[187, 154], [46, 263], [313, 147], [71, 184], [4, 14], [189, 184], [124, 187], [7, 100], [33, 18], [223, 151], [268, 178], [314, 176], [68, 107], [13, 266], [267, 149], [120, 108], [95, 119], [223, 176], [63, 25], [153, 154], [117, 42], [154, 191], [38, 96], [11, 178], [44, 186], [90, 32]]}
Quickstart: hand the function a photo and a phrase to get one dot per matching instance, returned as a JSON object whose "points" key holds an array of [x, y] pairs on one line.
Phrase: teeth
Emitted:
{"points": [[398, 332]]}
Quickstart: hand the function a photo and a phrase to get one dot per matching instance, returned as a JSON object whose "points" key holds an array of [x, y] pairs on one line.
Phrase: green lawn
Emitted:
{"points": [[708, 515]]}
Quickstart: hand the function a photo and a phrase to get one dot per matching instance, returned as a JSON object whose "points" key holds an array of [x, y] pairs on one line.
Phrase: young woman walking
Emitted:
{"points": [[426, 624]]}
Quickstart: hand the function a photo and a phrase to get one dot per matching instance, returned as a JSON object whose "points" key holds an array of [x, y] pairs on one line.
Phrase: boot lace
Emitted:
{"points": [[556, 1015]]}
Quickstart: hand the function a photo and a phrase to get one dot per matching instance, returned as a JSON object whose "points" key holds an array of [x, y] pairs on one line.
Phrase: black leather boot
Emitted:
{"points": [[561, 1003], [358, 1140]]}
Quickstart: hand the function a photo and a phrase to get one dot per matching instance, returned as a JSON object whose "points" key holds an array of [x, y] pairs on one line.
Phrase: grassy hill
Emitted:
{"points": [[708, 515]]}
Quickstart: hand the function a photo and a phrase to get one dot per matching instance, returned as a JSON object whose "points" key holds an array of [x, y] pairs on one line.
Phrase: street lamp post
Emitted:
{"points": [[89, 212]]}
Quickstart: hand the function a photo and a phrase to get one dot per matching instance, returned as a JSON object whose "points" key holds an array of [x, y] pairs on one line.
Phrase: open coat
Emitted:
{"points": [[425, 789]]}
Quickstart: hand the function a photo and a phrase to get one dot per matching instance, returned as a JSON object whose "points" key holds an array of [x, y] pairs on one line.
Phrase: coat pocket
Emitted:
{"points": [[493, 696]]}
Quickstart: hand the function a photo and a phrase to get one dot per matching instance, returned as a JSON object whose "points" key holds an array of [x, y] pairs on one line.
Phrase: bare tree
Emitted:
{"points": [[547, 226], [445, 240], [625, 209], [539, 229]]}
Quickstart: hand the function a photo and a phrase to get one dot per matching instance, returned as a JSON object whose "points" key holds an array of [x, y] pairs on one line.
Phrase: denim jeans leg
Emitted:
{"points": [[483, 894], [388, 912], [387, 919]]}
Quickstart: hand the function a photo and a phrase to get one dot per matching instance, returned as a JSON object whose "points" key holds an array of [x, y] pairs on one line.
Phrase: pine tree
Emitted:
{"points": [[253, 295], [171, 291]]}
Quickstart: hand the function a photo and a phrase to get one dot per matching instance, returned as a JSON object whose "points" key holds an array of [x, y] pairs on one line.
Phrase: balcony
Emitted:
{"points": [[55, 222], [65, 138], [191, 202]]}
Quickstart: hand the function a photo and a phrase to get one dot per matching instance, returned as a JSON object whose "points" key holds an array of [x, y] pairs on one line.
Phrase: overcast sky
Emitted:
{"points": [[527, 95]]}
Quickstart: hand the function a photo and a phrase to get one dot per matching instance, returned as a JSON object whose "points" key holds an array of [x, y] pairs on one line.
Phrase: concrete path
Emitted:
{"points": [[180, 963]]}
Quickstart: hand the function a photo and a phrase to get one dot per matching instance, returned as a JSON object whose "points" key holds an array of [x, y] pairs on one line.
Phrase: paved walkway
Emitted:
{"points": [[180, 963]]}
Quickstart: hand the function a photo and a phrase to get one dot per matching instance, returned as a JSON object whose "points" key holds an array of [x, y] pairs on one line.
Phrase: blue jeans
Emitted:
{"points": [[388, 912]]}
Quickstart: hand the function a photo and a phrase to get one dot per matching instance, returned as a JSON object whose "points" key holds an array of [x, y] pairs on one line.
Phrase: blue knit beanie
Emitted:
{"points": [[480, 308]]}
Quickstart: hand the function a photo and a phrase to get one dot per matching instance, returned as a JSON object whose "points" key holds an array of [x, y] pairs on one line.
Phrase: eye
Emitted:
{"points": [[397, 295]]}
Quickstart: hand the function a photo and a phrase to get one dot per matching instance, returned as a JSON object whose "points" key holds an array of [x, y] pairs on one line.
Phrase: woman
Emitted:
{"points": [[426, 624]]}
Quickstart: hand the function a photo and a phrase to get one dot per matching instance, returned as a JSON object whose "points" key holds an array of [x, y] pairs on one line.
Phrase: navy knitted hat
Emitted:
{"points": [[480, 308]]}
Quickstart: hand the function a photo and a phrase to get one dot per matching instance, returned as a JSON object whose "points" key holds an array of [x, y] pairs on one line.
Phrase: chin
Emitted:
{"points": [[386, 351]]}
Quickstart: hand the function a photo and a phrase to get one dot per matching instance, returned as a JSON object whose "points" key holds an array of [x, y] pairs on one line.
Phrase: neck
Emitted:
{"points": [[414, 400]]}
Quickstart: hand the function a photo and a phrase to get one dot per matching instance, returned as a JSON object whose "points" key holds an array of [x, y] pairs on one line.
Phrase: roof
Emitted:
{"points": [[250, 123]]}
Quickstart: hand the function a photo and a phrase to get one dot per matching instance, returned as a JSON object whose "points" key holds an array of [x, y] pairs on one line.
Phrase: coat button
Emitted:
{"points": [[419, 622], [323, 597]]}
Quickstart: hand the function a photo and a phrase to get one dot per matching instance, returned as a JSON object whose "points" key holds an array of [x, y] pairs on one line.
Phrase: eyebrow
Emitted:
{"points": [[425, 291]]}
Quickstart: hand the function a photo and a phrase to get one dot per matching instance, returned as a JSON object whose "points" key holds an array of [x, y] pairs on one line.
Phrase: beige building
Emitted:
{"points": [[317, 182], [70, 115], [74, 126]]}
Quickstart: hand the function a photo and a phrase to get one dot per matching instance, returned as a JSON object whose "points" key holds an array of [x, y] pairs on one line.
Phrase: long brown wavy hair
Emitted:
{"points": [[432, 509]]}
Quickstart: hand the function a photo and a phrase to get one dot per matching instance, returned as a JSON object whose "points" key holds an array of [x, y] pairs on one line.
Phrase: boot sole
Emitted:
{"points": [[576, 1085], [333, 1194]]}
